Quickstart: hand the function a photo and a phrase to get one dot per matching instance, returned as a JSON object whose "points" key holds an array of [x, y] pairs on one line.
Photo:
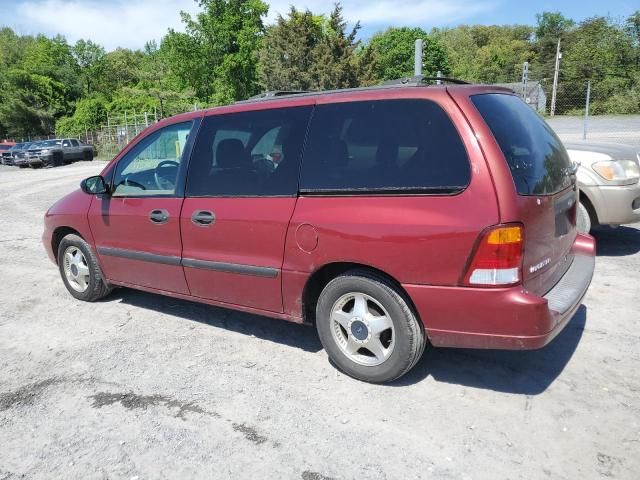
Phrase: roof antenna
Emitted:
{"points": [[417, 61]]}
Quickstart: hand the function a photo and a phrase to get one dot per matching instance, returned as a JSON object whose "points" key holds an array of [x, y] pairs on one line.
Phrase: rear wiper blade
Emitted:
{"points": [[572, 170]]}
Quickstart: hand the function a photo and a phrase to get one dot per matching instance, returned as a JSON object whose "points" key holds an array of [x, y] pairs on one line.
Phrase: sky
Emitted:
{"points": [[130, 23]]}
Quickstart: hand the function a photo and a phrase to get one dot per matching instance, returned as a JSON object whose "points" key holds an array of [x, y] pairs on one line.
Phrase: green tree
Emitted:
{"points": [[217, 55], [632, 29], [393, 53], [90, 60], [157, 81], [289, 49], [488, 54], [40, 86], [599, 50], [461, 50], [120, 68], [551, 27], [336, 64], [90, 113]]}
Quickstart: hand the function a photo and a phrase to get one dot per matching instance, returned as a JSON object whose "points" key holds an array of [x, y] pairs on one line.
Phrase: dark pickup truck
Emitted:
{"points": [[59, 152]]}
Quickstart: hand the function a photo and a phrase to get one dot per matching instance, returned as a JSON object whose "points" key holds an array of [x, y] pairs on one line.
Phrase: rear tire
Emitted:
{"points": [[583, 219], [80, 271], [368, 328]]}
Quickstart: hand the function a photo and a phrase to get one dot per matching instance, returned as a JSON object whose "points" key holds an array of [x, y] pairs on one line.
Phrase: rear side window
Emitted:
{"points": [[249, 154], [384, 146], [537, 159]]}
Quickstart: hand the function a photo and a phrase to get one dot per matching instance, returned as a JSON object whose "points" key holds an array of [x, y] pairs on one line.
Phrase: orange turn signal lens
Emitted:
{"points": [[503, 235]]}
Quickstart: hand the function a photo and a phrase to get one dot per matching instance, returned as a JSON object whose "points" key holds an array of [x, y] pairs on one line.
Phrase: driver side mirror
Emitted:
{"points": [[94, 185]]}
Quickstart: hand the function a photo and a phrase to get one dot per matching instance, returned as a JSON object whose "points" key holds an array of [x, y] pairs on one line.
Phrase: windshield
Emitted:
{"points": [[537, 159], [48, 143]]}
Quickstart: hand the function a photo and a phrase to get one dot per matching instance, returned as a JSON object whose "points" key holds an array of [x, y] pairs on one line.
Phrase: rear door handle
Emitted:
{"points": [[159, 217], [203, 218]]}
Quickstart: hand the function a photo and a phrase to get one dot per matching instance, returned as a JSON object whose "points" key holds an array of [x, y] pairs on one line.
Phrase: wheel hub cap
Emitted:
{"points": [[359, 330], [76, 269], [362, 328]]}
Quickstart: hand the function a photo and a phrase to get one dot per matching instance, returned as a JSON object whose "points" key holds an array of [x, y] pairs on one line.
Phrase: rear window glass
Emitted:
{"points": [[537, 159], [386, 145]]}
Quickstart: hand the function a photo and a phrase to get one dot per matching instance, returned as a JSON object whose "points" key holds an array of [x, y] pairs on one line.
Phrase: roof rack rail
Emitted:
{"points": [[275, 93], [417, 80]]}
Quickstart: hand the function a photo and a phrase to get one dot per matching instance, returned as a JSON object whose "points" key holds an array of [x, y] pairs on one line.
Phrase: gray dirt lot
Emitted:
{"points": [[142, 386]]}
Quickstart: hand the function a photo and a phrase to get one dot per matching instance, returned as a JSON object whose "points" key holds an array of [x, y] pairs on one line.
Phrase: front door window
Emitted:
{"points": [[151, 168]]}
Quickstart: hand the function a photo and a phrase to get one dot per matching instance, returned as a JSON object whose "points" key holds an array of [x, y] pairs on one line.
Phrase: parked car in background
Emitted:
{"points": [[59, 152], [609, 183], [392, 217], [20, 157], [7, 154], [5, 146]]}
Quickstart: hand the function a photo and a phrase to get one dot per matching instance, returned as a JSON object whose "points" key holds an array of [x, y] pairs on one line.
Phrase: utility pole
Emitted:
{"points": [[525, 78], [586, 111], [417, 61], [555, 80]]}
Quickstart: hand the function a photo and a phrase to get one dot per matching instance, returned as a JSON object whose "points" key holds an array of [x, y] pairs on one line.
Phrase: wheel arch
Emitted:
{"points": [[588, 204], [58, 234], [323, 275]]}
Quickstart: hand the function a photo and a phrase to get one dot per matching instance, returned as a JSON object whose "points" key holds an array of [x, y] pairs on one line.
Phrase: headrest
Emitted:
{"points": [[230, 153]]}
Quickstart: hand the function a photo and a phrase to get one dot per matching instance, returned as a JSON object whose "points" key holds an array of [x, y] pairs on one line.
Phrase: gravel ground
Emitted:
{"points": [[142, 386]]}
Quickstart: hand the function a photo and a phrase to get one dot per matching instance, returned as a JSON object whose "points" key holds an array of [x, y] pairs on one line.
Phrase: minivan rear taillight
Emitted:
{"points": [[497, 260]]}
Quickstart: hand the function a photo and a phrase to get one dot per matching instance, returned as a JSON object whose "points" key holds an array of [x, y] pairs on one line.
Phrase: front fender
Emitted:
{"points": [[69, 212]]}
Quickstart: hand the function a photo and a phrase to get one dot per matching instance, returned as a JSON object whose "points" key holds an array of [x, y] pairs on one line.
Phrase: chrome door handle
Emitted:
{"points": [[203, 218], [159, 217]]}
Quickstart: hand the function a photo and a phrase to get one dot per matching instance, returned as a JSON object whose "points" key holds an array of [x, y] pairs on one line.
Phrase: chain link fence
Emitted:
{"points": [[582, 108], [119, 130]]}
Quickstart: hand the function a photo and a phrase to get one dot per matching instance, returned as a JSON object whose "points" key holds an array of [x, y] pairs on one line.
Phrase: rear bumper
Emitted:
{"points": [[614, 205], [504, 318]]}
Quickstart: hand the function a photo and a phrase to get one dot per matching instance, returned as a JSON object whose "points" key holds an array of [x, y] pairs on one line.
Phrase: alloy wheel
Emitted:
{"points": [[362, 328]]}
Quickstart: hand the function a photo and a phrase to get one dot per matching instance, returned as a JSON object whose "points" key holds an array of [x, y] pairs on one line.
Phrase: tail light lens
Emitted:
{"points": [[497, 260]]}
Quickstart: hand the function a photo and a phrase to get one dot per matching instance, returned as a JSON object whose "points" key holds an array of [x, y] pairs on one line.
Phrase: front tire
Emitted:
{"points": [[367, 327], [87, 156], [80, 271], [583, 219]]}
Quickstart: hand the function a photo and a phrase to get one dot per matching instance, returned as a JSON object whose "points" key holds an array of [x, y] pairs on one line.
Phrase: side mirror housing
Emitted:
{"points": [[94, 185]]}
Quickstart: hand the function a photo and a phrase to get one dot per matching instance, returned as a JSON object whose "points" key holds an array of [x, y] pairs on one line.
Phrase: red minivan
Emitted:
{"points": [[390, 217]]}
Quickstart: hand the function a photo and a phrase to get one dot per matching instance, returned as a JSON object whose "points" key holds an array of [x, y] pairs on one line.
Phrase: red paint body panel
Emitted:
{"points": [[69, 212], [505, 318], [123, 223], [241, 308], [423, 240], [247, 231]]}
